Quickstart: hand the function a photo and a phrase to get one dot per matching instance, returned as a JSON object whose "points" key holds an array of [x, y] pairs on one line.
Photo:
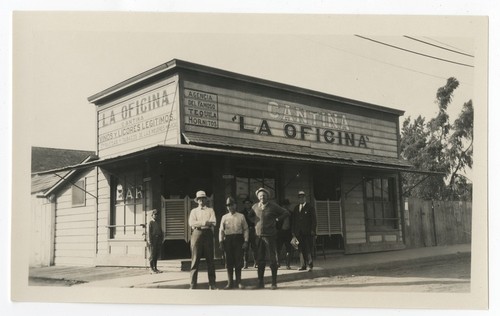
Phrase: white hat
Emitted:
{"points": [[200, 194], [262, 189], [301, 193]]}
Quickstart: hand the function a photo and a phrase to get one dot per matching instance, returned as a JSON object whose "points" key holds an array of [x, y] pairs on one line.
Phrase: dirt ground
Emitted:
{"points": [[451, 275]]}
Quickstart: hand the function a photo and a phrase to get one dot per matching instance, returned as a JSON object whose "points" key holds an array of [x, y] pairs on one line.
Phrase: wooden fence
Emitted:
{"points": [[437, 223]]}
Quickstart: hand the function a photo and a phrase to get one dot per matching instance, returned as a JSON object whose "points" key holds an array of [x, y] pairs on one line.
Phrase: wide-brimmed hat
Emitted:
{"points": [[200, 194], [262, 189], [301, 193], [154, 212], [230, 201]]}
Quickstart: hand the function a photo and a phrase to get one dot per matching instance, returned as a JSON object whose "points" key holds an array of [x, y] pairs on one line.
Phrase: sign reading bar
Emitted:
{"points": [[201, 108]]}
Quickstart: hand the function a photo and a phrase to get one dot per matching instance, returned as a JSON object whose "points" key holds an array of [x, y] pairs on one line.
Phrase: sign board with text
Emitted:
{"points": [[144, 119], [245, 115]]}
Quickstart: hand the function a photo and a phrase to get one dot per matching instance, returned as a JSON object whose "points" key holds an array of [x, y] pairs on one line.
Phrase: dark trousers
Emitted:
{"points": [[305, 249], [251, 245], [266, 250], [155, 251], [233, 248], [202, 244], [284, 238]]}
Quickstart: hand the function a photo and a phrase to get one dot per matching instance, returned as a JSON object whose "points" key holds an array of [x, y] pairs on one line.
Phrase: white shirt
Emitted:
{"points": [[232, 224], [200, 215]]}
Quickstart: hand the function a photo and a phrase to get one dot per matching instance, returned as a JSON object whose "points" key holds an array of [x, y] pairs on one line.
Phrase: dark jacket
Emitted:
{"points": [[304, 222], [265, 218]]}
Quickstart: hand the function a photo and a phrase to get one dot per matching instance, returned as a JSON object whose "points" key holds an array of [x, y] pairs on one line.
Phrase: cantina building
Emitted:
{"points": [[181, 127]]}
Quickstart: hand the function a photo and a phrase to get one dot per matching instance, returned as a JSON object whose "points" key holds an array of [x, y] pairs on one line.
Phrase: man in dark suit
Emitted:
{"points": [[304, 229]]}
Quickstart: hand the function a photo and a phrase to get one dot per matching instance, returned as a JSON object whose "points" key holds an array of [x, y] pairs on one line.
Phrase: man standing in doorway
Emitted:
{"points": [[155, 240], [202, 221], [265, 214], [304, 229]]}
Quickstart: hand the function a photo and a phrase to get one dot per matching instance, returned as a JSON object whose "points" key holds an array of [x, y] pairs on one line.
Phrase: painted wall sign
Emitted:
{"points": [[145, 119], [244, 115], [200, 108]]}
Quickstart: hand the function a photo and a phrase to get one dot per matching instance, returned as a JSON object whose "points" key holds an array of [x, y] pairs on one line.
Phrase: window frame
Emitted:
{"points": [[77, 187], [131, 231], [389, 222]]}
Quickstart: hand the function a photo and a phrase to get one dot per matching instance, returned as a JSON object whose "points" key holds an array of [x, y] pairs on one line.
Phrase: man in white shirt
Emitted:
{"points": [[233, 239], [202, 221]]}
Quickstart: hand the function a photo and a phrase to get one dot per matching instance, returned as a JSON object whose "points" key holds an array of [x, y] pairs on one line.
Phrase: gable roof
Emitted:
{"points": [[43, 159]]}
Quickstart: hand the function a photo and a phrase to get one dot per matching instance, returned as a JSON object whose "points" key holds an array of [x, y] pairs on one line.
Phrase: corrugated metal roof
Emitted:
{"points": [[254, 145]]}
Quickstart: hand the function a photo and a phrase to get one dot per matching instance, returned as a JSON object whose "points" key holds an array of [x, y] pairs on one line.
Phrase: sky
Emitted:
{"points": [[63, 58], [60, 60]]}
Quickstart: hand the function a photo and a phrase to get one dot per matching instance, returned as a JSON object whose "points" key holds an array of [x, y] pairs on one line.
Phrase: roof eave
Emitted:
{"points": [[181, 64]]}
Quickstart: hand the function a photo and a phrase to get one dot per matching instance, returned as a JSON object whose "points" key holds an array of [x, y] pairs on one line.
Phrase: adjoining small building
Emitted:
{"points": [[182, 127], [43, 200]]}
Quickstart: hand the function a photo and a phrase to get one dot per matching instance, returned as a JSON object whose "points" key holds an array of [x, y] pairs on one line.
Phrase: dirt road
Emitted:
{"points": [[450, 275]]}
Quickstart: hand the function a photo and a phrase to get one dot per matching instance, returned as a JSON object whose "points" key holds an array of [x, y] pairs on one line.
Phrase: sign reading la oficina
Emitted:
{"points": [[302, 124]]}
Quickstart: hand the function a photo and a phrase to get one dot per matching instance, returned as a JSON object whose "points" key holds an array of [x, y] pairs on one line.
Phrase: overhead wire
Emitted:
{"points": [[377, 60], [442, 43], [412, 51], [438, 46]]}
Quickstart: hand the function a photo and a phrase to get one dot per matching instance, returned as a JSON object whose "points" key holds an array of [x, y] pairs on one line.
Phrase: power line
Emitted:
{"points": [[377, 60], [443, 43], [413, 52], [451, 50]]}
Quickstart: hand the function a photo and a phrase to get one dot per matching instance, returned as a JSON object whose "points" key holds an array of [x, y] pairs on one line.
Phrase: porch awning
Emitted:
{"points": [[294, 152], [216, 145]]}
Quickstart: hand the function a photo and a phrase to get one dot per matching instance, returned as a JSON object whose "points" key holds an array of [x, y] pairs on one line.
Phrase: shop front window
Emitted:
{"points": [[380, 203], [249, 180], [127, 218]]}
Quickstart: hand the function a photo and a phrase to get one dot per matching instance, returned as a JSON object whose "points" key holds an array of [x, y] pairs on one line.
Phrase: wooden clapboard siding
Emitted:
{"points": [[41, 232], [74, 241], [144, 136], [353, 207], [103, 209], [231, 104]]}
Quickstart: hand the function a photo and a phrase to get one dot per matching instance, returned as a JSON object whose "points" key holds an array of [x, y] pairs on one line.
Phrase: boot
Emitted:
{"points": [[288, 258], [156, 268], [238, 284], [229, 279], [274, 275], [260, 274]]}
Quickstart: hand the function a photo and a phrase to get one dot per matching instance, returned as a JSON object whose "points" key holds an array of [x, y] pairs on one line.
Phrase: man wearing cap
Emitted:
{"points": [[304, 229], [202, 221], [233, 238], [155, 240], [265, 214]]}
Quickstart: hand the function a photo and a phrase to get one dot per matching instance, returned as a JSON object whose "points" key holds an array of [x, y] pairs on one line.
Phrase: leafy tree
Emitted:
{"points": [[438, 145]]}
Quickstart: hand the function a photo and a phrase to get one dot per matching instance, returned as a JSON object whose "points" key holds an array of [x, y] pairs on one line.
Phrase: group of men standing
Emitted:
{"points": [[264, 226]]}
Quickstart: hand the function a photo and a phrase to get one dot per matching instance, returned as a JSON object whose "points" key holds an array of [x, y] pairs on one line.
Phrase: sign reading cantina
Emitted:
{"points": [[243, 115]]}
